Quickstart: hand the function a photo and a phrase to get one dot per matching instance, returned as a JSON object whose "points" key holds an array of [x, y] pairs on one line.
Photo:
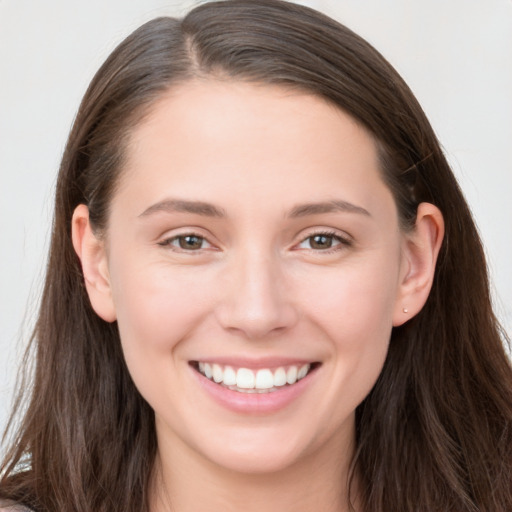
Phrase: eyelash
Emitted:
{"points": [[342, 242], [168, 242]]}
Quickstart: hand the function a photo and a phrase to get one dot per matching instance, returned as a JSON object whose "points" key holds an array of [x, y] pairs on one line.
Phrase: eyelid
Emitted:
{"points": [[166, 241], [344, 240]]}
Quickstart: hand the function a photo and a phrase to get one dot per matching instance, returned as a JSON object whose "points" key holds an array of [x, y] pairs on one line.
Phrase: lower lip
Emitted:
{"points": [[255, 403]]}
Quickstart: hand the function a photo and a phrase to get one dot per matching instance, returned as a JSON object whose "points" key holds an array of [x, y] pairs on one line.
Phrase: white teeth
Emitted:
{"points": [[291, 375], [264, 379], [279, 377], [303, 371], [245, 380], [229, 376], [217, 373]]}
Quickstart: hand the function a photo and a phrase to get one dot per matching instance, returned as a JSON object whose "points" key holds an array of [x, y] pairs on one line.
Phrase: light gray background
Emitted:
{"points": [[455, 54]]}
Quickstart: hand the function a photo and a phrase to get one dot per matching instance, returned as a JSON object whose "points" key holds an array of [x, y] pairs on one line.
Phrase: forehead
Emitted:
{"points": [[212, 136], [242, 116]]}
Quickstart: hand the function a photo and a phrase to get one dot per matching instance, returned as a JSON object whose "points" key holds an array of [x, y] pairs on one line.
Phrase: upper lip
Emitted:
{"points": [[255, 363]]}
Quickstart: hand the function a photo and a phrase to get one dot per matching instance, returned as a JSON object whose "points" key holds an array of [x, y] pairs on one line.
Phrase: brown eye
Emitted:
{"points": [[187, 242], [320, 242], [190, 242], [324, 242]]}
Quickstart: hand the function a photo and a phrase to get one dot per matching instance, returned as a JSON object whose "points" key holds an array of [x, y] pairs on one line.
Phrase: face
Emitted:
{"points": [[255, 261]]}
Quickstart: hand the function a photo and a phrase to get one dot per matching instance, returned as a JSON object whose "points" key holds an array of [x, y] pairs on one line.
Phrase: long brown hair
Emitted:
{"points": [[435, 431]]}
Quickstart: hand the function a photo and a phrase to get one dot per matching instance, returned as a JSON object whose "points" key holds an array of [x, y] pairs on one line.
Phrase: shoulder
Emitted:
{"points": [[11, 506]]}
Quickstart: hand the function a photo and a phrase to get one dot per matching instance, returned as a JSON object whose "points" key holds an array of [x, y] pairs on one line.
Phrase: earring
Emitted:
{"points": [[405, 310]]}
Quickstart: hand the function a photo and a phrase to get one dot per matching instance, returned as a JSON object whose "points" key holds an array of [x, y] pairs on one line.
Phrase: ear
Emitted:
{"points": [[92, 253], [420, 251]]}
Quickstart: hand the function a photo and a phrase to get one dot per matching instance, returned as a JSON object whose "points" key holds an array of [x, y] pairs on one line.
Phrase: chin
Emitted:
{"points": [[256, 460], [263, 449]]}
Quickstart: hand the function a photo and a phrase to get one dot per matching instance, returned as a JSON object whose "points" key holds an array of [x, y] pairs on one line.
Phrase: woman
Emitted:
{"points": [[265, 288]]}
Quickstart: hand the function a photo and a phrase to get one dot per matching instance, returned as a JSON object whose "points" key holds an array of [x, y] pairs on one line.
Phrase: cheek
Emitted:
{"points": [[156, 307], [356, 313], [355, 304]]}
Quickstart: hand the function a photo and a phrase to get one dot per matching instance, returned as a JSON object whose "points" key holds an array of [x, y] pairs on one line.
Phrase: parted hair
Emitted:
{"points": [[434, 434]]}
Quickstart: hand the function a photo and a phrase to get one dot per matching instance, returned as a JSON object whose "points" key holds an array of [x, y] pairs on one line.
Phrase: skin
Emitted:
{"points": [[255, 285]]}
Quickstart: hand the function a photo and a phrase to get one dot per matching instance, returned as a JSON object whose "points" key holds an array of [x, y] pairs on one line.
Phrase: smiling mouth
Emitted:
{"points": [[245, 380]]}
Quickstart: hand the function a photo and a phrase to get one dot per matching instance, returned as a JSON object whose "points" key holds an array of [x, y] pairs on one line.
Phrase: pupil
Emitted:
{"points": [[190, 242], [321, 242]]}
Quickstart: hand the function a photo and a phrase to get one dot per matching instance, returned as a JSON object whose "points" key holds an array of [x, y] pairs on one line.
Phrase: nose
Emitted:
{"points": [[256, 301]]}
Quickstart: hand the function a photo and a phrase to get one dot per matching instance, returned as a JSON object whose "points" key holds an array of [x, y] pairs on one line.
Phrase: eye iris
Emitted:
{"points": [[190, 242], [321, 242]]}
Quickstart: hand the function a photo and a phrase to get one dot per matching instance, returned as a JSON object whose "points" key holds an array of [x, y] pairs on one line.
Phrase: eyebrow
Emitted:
{"points": [[336, 205], [184, 206], [210, 210]]}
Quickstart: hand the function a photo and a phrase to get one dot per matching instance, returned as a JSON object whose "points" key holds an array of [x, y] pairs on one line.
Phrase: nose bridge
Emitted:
{"points": [[256, 300]]}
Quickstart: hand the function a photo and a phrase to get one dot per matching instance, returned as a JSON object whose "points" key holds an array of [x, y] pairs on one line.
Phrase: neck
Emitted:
{"points": [[184, 481]]}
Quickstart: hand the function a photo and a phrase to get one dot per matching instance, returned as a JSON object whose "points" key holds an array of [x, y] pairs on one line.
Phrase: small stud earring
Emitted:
{"points": [[405, 310]]}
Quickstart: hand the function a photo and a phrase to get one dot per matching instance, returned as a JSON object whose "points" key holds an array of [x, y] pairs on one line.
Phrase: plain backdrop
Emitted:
{"points": [[455, 54]]}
